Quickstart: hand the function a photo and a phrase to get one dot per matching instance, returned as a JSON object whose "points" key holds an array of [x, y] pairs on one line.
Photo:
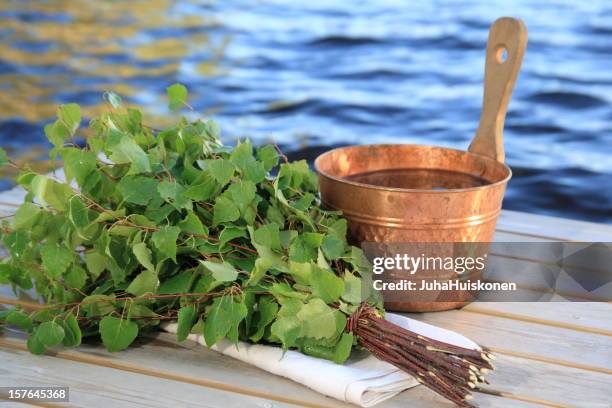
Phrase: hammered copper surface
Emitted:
{"points": [[392, 215]]}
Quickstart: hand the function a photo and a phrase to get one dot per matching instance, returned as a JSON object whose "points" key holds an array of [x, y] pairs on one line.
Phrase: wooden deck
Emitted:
{"points": [[549, 354]]}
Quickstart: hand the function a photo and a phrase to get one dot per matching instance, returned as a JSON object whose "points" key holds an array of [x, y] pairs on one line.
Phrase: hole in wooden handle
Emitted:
{"points": [[501, 54]]}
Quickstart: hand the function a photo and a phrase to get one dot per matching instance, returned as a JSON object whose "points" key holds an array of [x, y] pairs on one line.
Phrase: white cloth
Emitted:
{"points": [[363, 380]]}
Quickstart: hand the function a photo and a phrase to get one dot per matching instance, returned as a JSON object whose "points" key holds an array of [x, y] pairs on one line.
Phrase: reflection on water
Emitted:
{"points": [[420, 179], [73, 50], [321, 73]]}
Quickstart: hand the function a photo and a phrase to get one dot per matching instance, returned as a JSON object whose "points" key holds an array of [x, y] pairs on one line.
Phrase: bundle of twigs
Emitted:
{"points": [[449, 370]]}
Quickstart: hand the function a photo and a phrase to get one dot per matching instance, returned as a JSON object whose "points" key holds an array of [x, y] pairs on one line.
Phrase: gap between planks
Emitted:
{"points": [[532, 400], [548, 360]]}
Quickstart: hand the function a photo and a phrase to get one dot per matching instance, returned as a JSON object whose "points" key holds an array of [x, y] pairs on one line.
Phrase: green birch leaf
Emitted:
{"points": [[268, 156], [117, 334], [268, 236], [359, 261], [70, 116], [26, 216], [186, 318], [242, 194], [141, 220], [262, 265], [96, 263], [56, 259], [326, 285], [222, 272], [267, 309], [301, 272], [138, 189], [97, 305], [242, 154], [332, 247], [283, 290], [177, 96], [225, 211], [76, 277], [19, 319], [50, 333], [192, 224], [128, 151], [286, 328], [352, 289], [51, 193], [78, 164], [273, 214], [230, 233], [72, 331], [78, 213], [139, 311], [339, 229], [143, 254], [145, 282], [158, 214], [318, 320], [16, 243], [303, 248], [222, 320], [173, 193], [164, 240], [304, 203], [180, 283], [202, 190], [342, 351], [57, 134], [254, 171], [222, 170], [34, 345]]}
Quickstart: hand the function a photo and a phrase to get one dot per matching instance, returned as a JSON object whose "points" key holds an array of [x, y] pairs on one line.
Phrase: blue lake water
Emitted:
{"points": [[315, 74]]}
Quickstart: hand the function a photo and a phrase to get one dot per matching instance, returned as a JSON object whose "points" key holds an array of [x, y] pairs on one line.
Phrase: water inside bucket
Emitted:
{"points": [[423, 179]]}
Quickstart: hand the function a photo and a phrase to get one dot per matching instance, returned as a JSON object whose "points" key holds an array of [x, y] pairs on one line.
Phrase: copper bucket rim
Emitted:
{"points": [[487, 160]]}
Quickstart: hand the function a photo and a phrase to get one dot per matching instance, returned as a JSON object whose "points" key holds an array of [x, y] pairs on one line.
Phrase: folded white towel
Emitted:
{"points": [[363, 380]]}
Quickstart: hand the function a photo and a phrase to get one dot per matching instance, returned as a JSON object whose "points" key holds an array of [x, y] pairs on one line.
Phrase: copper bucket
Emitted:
{"points": [[402, 193]]}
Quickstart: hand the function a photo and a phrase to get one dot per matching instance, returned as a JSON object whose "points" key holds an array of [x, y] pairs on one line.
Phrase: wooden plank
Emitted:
{"points": [[553, 228], [175, 363], [14, 404], [224, 368], [546, 277], [97, 386], [163, 357], [591, 317], [32, 404], [181, 357], [504, 236], [529, 340], [551, 382]]}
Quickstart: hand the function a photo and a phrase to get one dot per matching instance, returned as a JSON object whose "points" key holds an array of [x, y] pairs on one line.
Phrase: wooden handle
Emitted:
{"points": [[505, 49]]}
